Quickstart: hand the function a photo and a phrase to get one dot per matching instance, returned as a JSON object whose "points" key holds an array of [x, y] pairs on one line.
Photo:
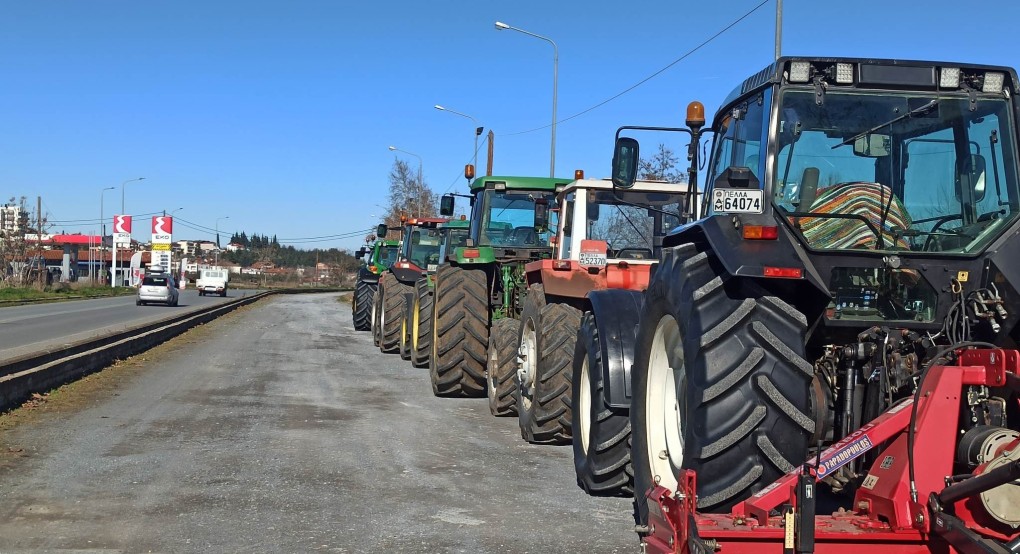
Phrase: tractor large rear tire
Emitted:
{"points": [[601, 434], [500, 385], [421, 328], [364, 295], [543, 404], [392, 313], [721, 384], [460, 332]]}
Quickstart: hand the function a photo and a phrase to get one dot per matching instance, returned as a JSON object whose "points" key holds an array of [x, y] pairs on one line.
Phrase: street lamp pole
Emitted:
{"points": [[478, 129], [116, 270], [421, 185], [102, 234], [500, 26], [217, 258]]}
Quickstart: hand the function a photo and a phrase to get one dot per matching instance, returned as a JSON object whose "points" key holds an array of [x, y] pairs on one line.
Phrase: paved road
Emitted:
{"points": [[34, 327], [279, 428]]}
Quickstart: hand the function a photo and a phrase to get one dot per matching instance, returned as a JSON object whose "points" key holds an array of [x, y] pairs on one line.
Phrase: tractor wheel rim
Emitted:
{"points": [[528, 361], [663, 425], [403, 333], [584, 405], [414, 325]]}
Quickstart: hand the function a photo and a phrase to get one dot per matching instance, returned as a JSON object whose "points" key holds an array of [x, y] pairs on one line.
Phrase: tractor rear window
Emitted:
{"points": [[904, 172], [154, 281], [508, 219], [388, 255], [424, 247], [627, 222]]}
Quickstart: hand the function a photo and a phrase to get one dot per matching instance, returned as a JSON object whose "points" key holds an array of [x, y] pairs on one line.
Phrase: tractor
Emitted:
{"points": [[833, 332], [382, 254], [484, 284], [419, 252], [454, 233], [575, 350]]}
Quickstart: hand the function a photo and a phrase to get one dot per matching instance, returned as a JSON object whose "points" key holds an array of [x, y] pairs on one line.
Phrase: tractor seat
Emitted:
{"points": [[865, 199], [522, 236]]}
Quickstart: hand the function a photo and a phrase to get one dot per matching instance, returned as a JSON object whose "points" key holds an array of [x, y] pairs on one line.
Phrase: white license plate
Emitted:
{"points": [[592, 259], [738, 201], [432, 267]]}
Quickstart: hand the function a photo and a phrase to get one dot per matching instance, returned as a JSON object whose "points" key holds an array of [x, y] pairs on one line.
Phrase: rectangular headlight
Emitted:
{"points": [[800, 72], [845, 73], [993, 82], [949, 77]]}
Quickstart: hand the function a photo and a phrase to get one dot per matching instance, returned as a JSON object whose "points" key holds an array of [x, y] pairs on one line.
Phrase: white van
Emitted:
{"points": [[212, 281]]}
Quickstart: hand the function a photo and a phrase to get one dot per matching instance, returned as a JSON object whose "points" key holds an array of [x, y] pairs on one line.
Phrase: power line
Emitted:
{"points": [[650, 77]]}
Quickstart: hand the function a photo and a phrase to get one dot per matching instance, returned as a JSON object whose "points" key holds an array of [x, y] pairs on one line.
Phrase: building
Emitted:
{"points": [[13, 220]]}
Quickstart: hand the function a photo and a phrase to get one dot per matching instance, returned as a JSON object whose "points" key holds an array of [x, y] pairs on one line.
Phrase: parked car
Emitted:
{"points": [[158, 287]]}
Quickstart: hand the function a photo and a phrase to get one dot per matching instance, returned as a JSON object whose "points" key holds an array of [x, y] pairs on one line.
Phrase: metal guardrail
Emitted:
{"points": [[39, 372]]}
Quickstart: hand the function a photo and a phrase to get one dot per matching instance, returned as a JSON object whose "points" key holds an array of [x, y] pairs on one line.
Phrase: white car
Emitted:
{"points": [[159, 288]]}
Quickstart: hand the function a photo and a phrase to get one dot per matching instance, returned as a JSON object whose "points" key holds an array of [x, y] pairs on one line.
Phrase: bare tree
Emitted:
{"points": [[15, 266], [408, 195], [664, 165]]}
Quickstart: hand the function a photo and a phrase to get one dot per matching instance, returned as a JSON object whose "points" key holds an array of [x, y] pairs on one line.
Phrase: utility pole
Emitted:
{"points": [[488, 165], [38, 242]]}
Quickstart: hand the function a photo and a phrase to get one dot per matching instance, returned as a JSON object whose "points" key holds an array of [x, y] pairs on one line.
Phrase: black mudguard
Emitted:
{"points": [[366, 276], [617, 312]]}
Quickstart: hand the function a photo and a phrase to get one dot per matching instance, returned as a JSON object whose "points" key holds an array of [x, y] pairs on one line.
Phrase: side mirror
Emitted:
{"points": [[446, 205], [541, 214], [970, 173], [360, 253], [872, 146], [625, 162], [592, 211], [381, 230]]}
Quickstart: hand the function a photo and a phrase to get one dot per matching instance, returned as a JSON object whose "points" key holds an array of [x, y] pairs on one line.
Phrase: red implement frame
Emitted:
{"points": [[885, 517]]}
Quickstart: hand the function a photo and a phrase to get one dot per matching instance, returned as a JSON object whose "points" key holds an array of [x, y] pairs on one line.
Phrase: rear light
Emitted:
{"points": [[471, 253], [785, 272], [761, 232], [561, 265]]}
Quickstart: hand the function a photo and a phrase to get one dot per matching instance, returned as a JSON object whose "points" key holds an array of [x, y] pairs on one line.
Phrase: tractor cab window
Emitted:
{"points": [[739, 138], [422, 247], [507, 218], [388, 255], [629, 220], [454, 238], [567, 216], [903, 172]]}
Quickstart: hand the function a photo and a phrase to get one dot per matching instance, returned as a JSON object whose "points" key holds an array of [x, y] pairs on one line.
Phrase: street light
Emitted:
{"points": [[421, 185], [217, 258], [116, 269], [102, 234], [478, 128], [500, 26]]}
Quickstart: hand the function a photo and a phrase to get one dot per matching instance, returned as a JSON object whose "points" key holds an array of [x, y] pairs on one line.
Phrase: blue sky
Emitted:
{"points": [[278, 114]]}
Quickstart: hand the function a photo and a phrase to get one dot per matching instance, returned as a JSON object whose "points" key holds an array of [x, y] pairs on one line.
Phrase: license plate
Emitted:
{"points": [[432, 268], [738, 201], [592, 253]]}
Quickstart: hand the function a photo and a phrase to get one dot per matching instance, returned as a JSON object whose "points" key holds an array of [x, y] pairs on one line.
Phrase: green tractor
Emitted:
{"points": [[419, 316], [419, 252], [483, 284], [382, 254]]}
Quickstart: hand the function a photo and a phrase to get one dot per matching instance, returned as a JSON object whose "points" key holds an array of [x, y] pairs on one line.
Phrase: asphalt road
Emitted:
{"points": [[35, 327], [279, 428]]}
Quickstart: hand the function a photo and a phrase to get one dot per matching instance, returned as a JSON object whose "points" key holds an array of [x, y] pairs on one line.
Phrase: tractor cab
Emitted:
{"points": [[419, 248]]}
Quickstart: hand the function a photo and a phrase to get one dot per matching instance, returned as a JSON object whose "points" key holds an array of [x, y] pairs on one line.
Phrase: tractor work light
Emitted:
{"points": [[845, 73], [993, 82], [501, 185], [800, 72], [761, 232], [949, 77]]}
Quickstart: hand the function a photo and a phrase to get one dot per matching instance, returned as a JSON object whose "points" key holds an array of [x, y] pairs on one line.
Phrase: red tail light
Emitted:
{"points": [[785, 272], [761, 232], [471, 253]]}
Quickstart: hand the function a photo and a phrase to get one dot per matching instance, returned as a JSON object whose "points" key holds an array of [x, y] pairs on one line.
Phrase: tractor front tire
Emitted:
{"points": [[601, 434], [421, 327], [721, 384], [364, 294], [460, 332], [392, 311], [543, 405], [502, 366]]}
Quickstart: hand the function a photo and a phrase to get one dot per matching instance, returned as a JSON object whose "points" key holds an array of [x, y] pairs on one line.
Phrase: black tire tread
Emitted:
{"points": [[393, 312], [548, 421], [363, 297], [420, 356], [460, 318], [502, 367]]}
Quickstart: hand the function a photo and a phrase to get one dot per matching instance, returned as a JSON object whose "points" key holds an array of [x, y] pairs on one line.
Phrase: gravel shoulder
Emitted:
{"points": [[279, 428]]}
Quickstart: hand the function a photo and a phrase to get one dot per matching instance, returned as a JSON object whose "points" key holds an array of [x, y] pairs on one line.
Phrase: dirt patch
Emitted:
{"points": [[345, 298]]}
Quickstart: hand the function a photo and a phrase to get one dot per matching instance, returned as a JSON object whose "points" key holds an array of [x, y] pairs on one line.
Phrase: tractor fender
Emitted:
{"points": [[616, 312], [366, 276]]}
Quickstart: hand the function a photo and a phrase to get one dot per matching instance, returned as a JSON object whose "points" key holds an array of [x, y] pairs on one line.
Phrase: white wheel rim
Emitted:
{"points": [[663, 426], [584, 404], [528, 359], [490, 370]]}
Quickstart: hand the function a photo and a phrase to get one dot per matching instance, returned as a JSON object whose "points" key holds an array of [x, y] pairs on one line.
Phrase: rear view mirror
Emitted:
{"points": [[592, 210], [970, 174], [360, 253], [872, 146], [381, 230], [625, 162], [541, 214], [446, 205]]}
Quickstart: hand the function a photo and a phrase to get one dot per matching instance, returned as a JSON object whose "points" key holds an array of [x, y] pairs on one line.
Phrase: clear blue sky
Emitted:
{"points": [[278, 114]]}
